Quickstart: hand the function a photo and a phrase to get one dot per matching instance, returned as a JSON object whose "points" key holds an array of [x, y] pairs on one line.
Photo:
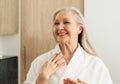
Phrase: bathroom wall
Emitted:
{"points": [[9, 45], [103, 19]]}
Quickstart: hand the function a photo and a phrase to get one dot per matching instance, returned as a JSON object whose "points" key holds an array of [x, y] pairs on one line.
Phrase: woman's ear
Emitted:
{"points": [[80, 29]]}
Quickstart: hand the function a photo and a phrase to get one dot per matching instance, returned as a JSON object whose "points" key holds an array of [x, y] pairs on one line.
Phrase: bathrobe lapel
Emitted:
{"points": [[75, 65]]}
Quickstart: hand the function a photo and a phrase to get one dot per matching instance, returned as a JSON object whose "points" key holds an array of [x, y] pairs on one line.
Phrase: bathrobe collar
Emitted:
{"points": [[75, 65]]}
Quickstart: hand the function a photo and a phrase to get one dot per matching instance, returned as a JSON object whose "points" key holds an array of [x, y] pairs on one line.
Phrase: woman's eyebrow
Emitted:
{"points": [[56, 20]]}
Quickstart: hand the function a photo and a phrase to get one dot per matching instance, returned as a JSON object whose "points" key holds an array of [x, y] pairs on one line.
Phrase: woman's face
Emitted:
{"points": [[65, 28]]}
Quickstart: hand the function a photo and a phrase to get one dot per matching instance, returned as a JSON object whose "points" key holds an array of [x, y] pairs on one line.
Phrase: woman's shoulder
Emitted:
{"points": [[94, 61], [91, 57]]}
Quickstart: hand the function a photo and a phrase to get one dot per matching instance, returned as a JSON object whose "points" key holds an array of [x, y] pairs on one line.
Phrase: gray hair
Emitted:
{"points": [[83, 38]]}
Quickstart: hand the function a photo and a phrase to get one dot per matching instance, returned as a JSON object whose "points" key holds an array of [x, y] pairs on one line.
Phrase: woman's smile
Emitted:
{"points": [[61, 33]]}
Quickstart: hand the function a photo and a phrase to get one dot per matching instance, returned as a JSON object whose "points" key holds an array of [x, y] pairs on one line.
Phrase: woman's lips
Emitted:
{"points": [[61, 33]]}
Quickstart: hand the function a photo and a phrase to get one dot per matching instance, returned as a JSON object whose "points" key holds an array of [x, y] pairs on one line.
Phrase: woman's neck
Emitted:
{"points": [[68, 50]]}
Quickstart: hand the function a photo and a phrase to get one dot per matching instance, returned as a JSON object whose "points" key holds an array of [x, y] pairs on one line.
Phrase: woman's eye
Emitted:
{"points": [[56, 23], [66, 22]]}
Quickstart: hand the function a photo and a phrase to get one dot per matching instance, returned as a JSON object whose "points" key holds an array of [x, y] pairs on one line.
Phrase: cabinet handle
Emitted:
{"points": [[24, 57]]}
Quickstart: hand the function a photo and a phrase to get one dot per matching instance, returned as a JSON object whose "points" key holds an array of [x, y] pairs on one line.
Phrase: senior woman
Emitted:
{"points": [[73, 60]]}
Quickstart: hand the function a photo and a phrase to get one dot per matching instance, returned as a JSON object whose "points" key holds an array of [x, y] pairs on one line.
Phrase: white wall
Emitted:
{"points": [[103, 19], [9, 45]]}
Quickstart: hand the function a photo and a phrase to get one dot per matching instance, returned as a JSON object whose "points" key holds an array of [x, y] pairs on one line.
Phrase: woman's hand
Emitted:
{"points": [[51, 66], [70, 81]]}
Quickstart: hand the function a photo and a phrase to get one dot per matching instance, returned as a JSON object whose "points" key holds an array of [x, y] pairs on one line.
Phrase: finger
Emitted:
{"points": [[52, 58], [60, 61], [81, 82], [52, 63], [49, 62], [78, 80], [58, 66], [65, 81], [71, 81], [56, 58]]}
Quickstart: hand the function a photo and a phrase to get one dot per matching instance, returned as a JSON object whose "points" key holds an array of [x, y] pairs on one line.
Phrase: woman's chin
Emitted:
{"points": [[63, 41]]}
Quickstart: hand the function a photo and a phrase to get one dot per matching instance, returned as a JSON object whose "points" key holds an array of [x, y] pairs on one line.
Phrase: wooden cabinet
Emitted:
{"points": [[36, 28], [9, 16], [9, 70]]}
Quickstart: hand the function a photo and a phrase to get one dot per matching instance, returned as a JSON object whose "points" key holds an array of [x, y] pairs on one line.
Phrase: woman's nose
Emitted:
{"points": [[60, 26]]}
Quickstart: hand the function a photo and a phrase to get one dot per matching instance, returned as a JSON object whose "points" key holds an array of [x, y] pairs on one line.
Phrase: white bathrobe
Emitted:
{"points": [[88, 68]]}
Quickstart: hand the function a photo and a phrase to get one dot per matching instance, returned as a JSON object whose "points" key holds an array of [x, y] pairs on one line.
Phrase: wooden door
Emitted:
{"points": [[36, 28], [9, 16]]}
